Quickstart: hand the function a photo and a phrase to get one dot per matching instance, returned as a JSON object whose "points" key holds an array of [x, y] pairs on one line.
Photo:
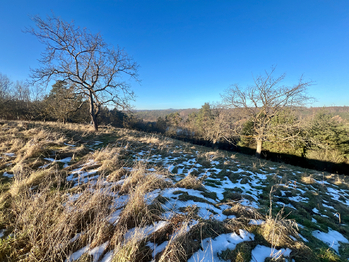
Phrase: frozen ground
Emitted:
{"points": [[318, 203], [224, 176]]}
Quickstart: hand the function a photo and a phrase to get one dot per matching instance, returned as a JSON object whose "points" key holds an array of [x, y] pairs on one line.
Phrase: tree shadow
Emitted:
{"points": [[337, 168]]}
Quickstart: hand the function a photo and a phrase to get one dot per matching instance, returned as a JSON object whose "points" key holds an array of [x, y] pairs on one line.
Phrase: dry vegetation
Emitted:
{"points": [[115, 198]]}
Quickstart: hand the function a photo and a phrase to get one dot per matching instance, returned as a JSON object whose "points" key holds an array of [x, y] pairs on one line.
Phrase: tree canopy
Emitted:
{"points": [[78, 57], [262, 103]]}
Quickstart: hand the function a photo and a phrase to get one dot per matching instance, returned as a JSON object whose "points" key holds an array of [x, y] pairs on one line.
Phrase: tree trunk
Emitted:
{"points": [[95, 124], [92, 113], [259, 148]]}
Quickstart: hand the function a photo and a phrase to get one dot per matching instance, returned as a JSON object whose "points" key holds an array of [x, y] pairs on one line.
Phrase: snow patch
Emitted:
{"points": [[332, 238], [212, 247], [76, 255], [10, 154], [7, 175], [260, 253], [256, 222], [145, 231]]}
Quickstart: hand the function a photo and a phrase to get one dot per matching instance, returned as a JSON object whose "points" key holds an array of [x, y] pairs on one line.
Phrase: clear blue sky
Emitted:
{"points": [[191, 51]]}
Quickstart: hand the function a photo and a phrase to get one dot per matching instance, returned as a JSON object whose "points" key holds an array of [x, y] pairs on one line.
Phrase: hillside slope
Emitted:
{"points": [[118, 195]]}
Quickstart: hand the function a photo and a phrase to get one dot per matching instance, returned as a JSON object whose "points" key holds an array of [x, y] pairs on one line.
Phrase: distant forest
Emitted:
{"points": [[153, 115]]}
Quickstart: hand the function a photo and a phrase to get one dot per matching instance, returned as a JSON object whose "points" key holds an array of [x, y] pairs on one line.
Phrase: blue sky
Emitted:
{"points": [[191, 51]]}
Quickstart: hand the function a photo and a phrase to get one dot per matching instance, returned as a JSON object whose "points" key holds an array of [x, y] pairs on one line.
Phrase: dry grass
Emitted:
{"points": [[25, 178], [132, 249], [277, 230], [137, 212], [44, 221], [308, 179], [191, 182], [244, 212], [108, 159], [42, 213], [142, 180], [174, 250]]}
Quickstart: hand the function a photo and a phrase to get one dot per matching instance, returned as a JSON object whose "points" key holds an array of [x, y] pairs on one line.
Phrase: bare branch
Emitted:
{"points": [[262, 103], [82, 59]]}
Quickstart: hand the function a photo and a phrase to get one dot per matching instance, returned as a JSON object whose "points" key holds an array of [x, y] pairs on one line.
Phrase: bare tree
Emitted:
{"points": [[261, 107], [6, 92], [83, 59], [6, 88]]}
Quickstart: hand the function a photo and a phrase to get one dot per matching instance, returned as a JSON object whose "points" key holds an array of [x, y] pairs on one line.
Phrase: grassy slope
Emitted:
{"points": [[136, 197]]}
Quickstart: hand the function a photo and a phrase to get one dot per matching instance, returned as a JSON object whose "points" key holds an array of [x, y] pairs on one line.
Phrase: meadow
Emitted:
{"points": [[70, 194]]}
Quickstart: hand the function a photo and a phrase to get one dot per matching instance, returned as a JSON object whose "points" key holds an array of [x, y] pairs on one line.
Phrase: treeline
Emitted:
{"points": [[312, 137], [19, 101], [321, 140], [153, 115]]}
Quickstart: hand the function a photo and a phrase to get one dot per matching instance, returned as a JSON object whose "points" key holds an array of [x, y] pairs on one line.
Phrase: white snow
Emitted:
{"points": [[76, 255], [69, 145], [285, 205], [75, 237], [145, 231], [120, 201], [2, 232], [157, 248], [260, 253], [98, 251], [207, 209], [334, 193], [114, 217], [256, 222], [7, 175], [293, 238], [149, 197], [108, 256], [327, 206], [332, 238], [212, 247], [10, 154], [95, 252], [315, 210], [82, 177], [64, 160], [303, 238], [299, 199], [246, 202]]}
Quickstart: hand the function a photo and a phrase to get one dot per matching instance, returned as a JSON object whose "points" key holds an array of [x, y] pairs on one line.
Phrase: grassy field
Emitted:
{"points": [[68, 194]]}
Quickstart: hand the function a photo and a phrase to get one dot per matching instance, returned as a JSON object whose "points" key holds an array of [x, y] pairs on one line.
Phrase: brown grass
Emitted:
{"points": [[44, 220], [241, 211], [308, 179], [37, 212], [191, 182], [277, 230]]}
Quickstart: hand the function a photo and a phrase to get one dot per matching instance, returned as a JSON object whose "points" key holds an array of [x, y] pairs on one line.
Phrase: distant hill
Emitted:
{"points": [[153, 115]]}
